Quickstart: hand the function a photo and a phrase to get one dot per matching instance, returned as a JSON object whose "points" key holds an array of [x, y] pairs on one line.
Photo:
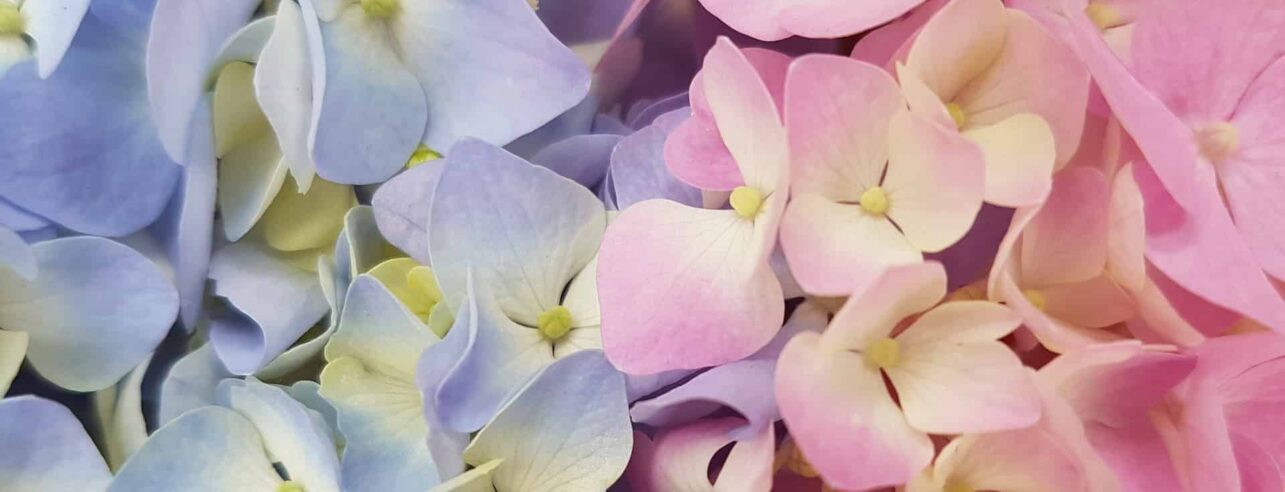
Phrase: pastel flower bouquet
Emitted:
{"points": [[642, 245]]}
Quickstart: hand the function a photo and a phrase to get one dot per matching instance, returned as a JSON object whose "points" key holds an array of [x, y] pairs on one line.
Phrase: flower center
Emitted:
{"points": [[554, 323], [957, 486], [421, 155], [746, 201], [1104, 16], [1217, 141], [957, 114], [1035, 298], [290, 486], [883, 353], [380, 9], [874, 201], [11, 21]]}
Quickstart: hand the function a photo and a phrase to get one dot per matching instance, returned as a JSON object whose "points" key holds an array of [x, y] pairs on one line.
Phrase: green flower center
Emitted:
{"points": [[554, 323]]}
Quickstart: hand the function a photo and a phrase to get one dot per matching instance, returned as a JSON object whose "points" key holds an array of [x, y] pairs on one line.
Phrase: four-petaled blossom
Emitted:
{"points": [[950, 372], [873, 185]]}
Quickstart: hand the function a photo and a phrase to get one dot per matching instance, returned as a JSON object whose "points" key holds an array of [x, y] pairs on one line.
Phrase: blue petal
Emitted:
{"points": [[185, 229], [638, 169], [191, 383], [372, 110], [294, 435], [402, 205], [46, 448], [79, 147], [185, 38], [498, 357], [582, 158], [210, 448], [489, 69], [95, 310], [522, 229], [566, 430], [275, 301]]}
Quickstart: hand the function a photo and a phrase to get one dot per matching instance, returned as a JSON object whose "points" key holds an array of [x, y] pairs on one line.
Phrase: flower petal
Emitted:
{"points": [[958, 43], [874, 310], [275, 301], [210, 448], [192, 382], [955, 377], [747, 117], [488, 69], [837, 114], [293, 435], [402, 208], [523, 230], [682, 288], [52, 24], [13, 350], [839, 413], [378, 331], [372, 110], [1248, 176], [1020, 153], [934, 182], [92, 110], [46, 448], [825, 19], [568, 429], [638, 169], [835, 248], [744, 386], [283, 87], [16, 255], [94, 312], [1067, 239]]}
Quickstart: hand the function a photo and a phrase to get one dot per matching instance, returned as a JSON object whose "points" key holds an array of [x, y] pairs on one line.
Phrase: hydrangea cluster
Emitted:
{"points": [[642, 245]]}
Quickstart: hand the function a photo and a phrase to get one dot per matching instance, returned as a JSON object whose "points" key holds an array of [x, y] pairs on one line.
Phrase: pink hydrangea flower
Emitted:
{"points": [[950, 372]]}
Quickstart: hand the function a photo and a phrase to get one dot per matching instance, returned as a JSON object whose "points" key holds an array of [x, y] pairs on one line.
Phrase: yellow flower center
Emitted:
{"points": [[1218, 141], [554, 323], [958, 114], [11, 21], [746, 201], [1104, 16], [380, 9], [1035, 298], [883, 353], [957, 486], [874, 201], [290, 486], [421, 155]]}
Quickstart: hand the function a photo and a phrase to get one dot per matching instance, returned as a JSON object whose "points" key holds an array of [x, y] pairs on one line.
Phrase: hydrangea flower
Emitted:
{"points": [[873, 185], [950, 373]]}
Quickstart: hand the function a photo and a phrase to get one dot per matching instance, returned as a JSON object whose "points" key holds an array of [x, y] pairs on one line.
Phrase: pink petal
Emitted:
{"points": [[957, 44], [954, 377], [892, 41], [1095, 303], [839, 414], [694, 151], [921, 98], [746, 116], [834, 248], [754, 18], [1035, 73], [683, 288], [1199, 59], [873, 311], [680, 457], [1067, 240], [1127, 234], [934, 182], [1253, 178], [1117, 383], [1054, 451], [835, 19], [1020, 153], [837, 115]]}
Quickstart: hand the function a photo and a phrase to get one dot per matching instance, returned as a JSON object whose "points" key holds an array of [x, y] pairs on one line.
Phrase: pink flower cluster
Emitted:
{"points": [[1023, 245]]}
